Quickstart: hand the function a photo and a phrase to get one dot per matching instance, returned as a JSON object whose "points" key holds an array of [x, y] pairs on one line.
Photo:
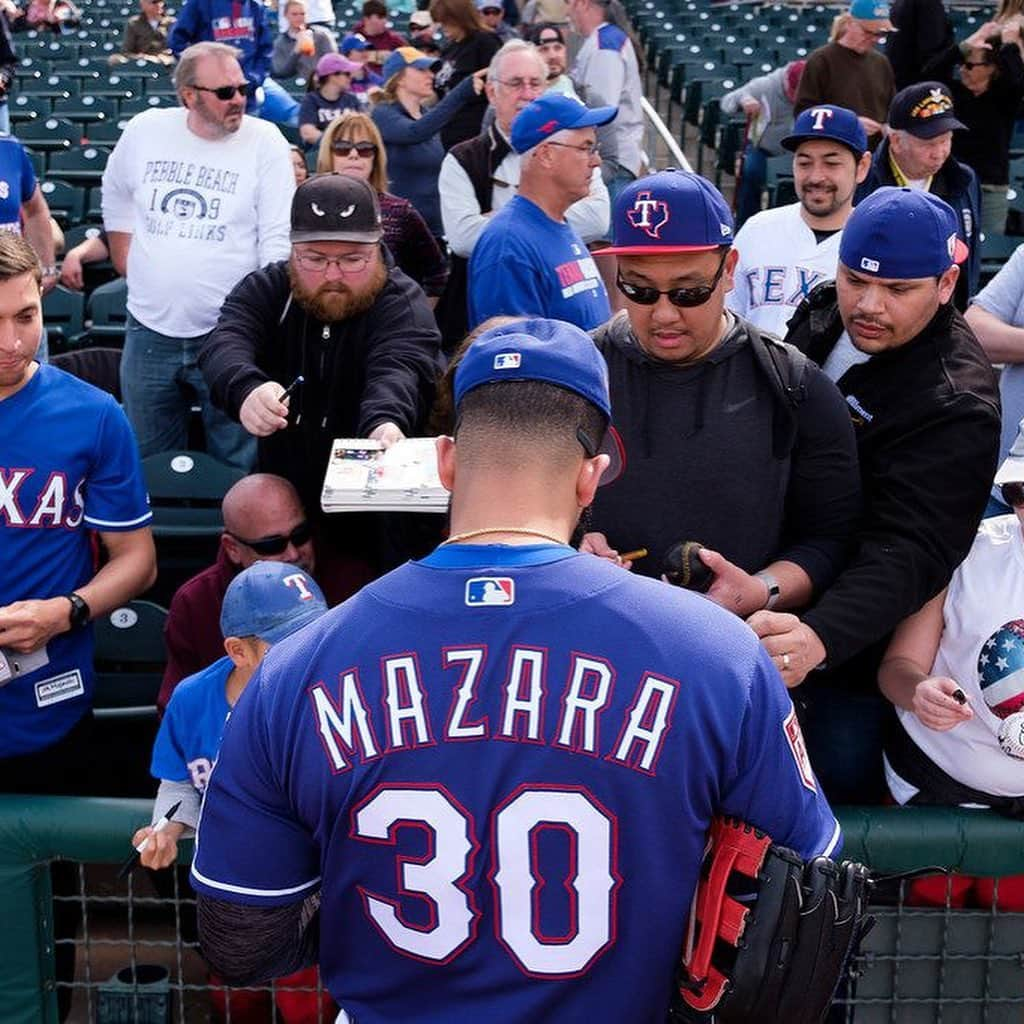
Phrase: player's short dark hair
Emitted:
{"points": [[531, 416], [375, 7], [17, 257]]}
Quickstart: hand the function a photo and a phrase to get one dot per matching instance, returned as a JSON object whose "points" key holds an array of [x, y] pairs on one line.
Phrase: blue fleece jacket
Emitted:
{"points": [[243, 24]]}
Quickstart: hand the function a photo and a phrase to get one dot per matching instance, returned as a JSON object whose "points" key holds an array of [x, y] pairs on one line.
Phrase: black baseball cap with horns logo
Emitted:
{"points": [[336, 208]]}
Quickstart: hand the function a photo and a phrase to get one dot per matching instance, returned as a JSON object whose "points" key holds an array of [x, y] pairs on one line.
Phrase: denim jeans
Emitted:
{"points": [[616, 178], [748, 198], [160, 381]]}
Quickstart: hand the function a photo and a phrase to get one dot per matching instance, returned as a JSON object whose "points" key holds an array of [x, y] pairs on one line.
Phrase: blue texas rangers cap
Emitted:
{"points": [[870, 10], [826, 121], [671, 211], [875, 239], [270, 600], [551, 113], [353, 41], [550, 351]]}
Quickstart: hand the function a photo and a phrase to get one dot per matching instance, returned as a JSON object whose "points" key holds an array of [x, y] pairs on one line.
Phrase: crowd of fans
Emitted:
{"points": [[813, 397]]}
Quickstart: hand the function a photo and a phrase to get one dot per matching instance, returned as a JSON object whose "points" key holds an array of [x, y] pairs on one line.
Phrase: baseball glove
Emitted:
{"points": [[771, 936]]}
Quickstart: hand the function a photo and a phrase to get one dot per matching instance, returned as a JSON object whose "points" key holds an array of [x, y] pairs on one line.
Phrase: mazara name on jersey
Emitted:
{"points": [[767, 286], [57, 505], [350, 727]]}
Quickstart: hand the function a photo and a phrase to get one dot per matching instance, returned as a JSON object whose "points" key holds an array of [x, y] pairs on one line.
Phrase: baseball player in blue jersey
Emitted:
{"points": [[480, 788]]}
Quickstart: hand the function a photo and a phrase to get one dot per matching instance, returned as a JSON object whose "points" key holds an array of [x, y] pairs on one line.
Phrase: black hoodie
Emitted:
{"points": [[704, 463]]}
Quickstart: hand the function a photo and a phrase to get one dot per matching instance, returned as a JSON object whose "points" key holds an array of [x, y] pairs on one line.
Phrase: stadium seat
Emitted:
{"points": [[129, 658], [136, 104], [98, 366], [86, 109], [107, 133], [66, 201], [27, 108], [64, 317], [48, 85], [185, 490], [108, 313], [83, 164], [995, 251], [50, 135]]}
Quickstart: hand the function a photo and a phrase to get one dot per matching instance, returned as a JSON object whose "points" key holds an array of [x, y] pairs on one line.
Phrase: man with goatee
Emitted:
{"points": [[341, 315]]}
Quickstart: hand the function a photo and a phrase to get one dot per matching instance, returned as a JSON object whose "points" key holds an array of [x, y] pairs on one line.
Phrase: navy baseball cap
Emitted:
{"points": [[550, 351], [671, 211], [551, 113], [270, 600], [826, 121], [876, 239], [408, 57], [353, 41], [924, 110]]}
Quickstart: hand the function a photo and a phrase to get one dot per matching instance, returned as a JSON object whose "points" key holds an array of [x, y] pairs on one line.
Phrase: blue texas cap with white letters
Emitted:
{"points": [[875, 239], [827, 121], [270, 600]]}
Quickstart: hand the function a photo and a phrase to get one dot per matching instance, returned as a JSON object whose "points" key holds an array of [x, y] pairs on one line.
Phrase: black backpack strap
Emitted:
{"points": [[785, 366]]}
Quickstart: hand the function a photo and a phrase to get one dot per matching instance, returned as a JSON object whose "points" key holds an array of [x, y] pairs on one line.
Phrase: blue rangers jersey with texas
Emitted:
{"points": [[68, 465], [498, 766]]}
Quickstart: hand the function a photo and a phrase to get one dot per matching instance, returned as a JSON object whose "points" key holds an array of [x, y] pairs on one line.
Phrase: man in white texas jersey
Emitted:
{"points": [[785, 252], [478, 791]]}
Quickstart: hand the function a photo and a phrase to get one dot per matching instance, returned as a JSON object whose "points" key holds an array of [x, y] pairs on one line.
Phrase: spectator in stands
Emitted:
{"points": [[768, 103], [925, 410], [298, 165], [785, 252], [264, 604], [848, 71], [492, 14], [986, 99], [299, 48], [329, 96], [69, 476], [8, 69], [470, 47], [410, 130], [245, 25], [194, 198], [606, 72], [528, 261], [319, 14], [421, 29], [550, 12], [357, 50], [380, 39], [145, 35], [23, 209], [996, 315], [47, 15], [917, 153], [263, 520], [704, 404], [953, 670], [550, 42], [352, 145], [480, 176], [93, 249], [921, 31], [340, 313]]}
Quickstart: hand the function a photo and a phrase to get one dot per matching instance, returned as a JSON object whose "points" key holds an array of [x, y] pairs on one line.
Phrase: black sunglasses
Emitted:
{"points": [[342, 147], [227, 92], [685, 297], [1013, 493], [277, 543]]}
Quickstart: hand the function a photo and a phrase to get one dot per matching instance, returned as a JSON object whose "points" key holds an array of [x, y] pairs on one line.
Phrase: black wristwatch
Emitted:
{"points": [[80, 613]]}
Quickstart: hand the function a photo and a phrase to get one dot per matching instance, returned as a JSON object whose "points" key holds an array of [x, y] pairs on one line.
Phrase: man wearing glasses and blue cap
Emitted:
{"points": [[734, 440], [924, 404]]}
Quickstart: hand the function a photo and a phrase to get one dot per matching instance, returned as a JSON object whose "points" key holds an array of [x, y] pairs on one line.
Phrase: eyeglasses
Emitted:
{"points": [[348, 264], [1013, 494], [519, 84], [684, 297], [589, 148], [227, 92], [342, 147], [277, 543]]}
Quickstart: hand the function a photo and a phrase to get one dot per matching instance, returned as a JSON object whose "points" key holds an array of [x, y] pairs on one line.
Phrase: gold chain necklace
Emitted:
{"points": [[522, 531]]}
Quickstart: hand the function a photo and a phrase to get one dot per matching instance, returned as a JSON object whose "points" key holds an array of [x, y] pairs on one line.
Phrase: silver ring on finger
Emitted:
{"points": [[785, 662]]}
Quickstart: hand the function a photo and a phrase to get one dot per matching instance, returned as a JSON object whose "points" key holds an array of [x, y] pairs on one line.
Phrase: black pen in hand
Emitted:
{"points": [[130, 863], [287, 393]]}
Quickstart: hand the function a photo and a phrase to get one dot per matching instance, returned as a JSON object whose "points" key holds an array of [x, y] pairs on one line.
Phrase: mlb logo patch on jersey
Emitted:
{"points": [[490, 590], [508, 360]]}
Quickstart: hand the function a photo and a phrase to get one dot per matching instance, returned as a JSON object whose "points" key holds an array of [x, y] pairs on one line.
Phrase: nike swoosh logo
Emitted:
{"points": [[736, 406]]}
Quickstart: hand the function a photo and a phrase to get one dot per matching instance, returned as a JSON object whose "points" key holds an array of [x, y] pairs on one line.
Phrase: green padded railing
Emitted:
{"points": [[36, 830]]}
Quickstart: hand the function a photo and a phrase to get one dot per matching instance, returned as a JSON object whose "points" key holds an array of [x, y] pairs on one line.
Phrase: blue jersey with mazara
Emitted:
{"points": [[503, 803]]}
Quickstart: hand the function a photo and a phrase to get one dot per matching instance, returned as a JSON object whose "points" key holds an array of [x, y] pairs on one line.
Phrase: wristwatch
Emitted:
{"points": [[773, 587], [80, 612], [51, 270]]}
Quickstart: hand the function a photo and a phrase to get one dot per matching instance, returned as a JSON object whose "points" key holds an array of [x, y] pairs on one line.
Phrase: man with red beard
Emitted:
{"points": [[340, 315]]}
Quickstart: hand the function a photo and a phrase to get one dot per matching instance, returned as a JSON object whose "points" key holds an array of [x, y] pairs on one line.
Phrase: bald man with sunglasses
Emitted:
{"points": [[732, 438]]}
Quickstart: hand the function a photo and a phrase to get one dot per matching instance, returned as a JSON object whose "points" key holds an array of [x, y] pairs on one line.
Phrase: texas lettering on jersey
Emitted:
{"points": [[350, 728], [780, 285], [56, 504]]}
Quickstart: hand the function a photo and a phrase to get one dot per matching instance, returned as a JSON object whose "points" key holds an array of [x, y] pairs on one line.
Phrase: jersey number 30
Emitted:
{"points": [[442, 876]]}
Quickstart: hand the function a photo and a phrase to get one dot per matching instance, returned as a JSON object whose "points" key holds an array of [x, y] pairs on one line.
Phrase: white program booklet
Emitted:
{"points": [[362, 476]]}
